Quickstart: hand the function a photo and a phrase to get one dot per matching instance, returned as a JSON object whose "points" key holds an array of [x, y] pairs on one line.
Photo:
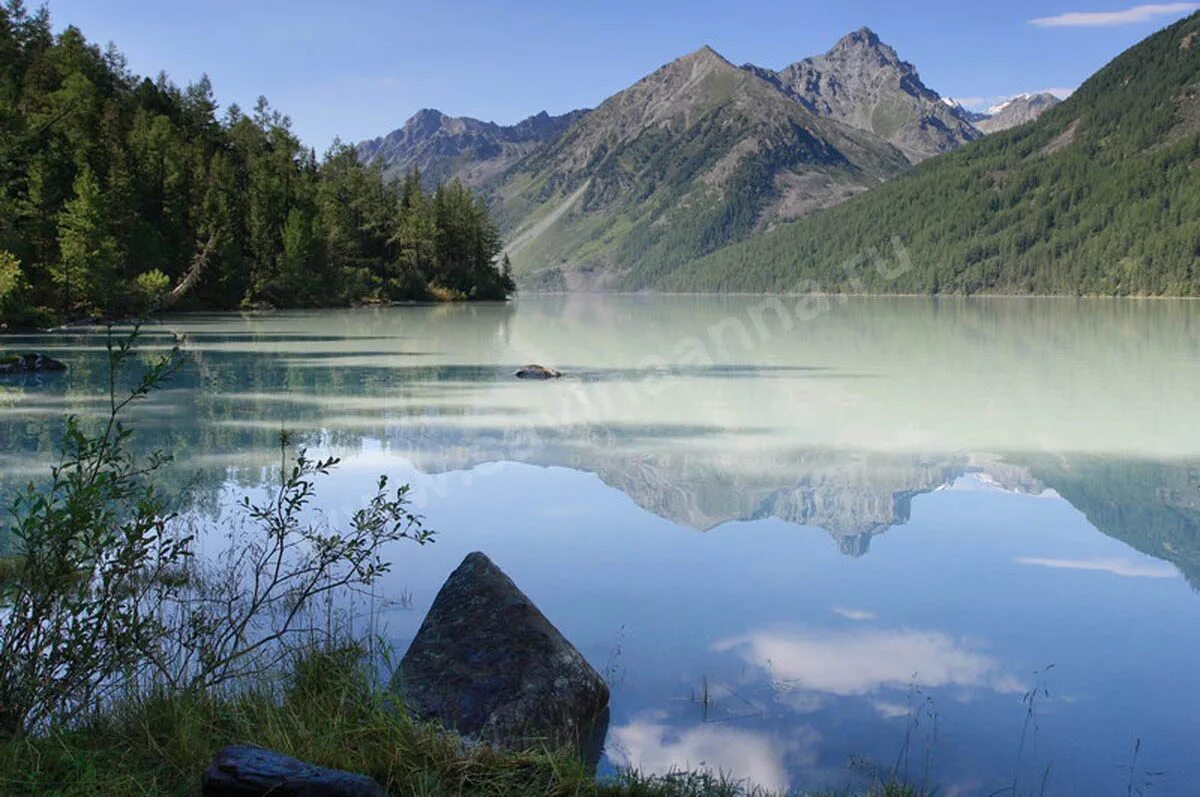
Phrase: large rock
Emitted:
{"points": [[489, 665], [28, 364], [242, 771]]}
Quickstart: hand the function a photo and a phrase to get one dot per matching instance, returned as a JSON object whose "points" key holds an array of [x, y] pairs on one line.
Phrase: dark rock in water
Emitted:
{"points": [[489, 665], [243, 771], [29, 364], [536, 372]]}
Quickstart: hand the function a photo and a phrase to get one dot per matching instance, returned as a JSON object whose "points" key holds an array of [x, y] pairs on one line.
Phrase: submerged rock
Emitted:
{"points": [[488, 664], [536, 372], [243, 771], [29, 364]]}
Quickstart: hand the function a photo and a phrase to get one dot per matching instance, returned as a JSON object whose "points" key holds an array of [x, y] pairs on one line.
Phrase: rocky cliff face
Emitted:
{"points": [[1017, 111], [863, 83]]}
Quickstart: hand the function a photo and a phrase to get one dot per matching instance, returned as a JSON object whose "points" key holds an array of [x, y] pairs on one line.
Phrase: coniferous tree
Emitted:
{"points": [[88, 263]]}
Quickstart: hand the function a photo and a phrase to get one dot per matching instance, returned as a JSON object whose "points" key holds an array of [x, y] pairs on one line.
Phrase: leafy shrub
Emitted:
{"points": [[151, 288], [15, 310], [105, 598]]}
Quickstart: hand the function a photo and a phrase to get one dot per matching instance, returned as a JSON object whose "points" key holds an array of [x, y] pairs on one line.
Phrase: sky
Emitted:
{"points": [[357, 69]]}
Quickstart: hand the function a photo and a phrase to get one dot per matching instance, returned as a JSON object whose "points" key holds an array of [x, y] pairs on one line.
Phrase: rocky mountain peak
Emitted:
{"points": [[703, 53], [864, 41], [861, 81], [425, 122], [863, 56], [701, 61], [1017, 111]]}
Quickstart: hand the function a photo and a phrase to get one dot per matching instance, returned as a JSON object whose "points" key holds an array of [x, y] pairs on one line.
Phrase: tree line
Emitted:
{"points": [[120, 194]]}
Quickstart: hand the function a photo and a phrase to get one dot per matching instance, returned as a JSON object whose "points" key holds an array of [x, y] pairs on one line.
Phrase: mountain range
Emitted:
{"points": [[704, 175], [1016, 111], [442, 147]]}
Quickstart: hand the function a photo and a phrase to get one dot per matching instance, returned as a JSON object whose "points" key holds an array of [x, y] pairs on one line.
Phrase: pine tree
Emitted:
{"points": [[299, 282], [88, 261], [415, 241]]}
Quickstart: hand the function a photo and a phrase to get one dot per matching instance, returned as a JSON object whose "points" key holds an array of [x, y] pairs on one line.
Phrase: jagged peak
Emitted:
{"points": [[426, 114], [865, 40], [863, 35], [531, 126], [425, 120]]}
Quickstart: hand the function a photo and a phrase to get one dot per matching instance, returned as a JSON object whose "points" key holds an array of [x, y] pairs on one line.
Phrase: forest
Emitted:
{"points": [[121, 195]]}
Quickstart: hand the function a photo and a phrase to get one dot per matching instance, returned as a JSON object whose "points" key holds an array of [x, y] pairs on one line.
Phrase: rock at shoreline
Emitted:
{"points": [[243, 771], [29, 364], [536, 372], [488, 664]]}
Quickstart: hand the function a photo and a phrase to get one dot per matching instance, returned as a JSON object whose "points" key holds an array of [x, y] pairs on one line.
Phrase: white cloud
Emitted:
{"points": [[1127, 16], [853, 614], [649, 745], [861, 661], [1118, 567]]}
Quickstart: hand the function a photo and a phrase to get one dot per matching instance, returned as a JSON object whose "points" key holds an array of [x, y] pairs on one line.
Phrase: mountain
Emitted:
{"points": [[863, 83], [1100, 195], [694, 155], [445, 147], [1016, 111]]}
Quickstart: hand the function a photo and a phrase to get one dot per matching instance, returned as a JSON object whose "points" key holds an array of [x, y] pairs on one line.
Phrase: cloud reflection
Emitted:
{"points": [[1117, 567], [889, 710], [862, 661], [648, 744]]}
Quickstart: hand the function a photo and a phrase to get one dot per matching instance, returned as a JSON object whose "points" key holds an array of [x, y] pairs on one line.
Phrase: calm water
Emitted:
{"points": [[865, 531]]}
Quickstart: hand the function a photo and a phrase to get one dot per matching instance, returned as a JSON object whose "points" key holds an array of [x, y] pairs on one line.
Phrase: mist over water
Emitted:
{"points": [[804, 538]]}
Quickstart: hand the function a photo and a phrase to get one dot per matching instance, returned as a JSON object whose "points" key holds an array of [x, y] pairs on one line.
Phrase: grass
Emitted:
{"points": [[327, 711]]}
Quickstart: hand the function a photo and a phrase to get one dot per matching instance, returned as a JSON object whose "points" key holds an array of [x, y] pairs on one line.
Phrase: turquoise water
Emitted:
{"points": [[804, 541]]}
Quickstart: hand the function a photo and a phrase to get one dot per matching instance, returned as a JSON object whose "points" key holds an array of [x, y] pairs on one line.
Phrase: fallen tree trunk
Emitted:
{"points": [[192, 277]]}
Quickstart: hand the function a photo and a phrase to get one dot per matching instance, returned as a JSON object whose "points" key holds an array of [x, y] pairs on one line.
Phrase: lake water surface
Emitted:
{"points": [[805, 540]]}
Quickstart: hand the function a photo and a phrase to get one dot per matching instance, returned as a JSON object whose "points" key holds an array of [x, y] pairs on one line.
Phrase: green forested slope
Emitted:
{"points": [[117, 189], [1101, 195]]}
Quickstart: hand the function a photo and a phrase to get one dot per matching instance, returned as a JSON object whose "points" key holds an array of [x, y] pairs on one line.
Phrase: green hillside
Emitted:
{"points": [[1101, 195]]}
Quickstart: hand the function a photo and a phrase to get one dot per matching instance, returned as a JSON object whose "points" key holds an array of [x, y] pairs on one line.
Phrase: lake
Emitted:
{"points": [[805, 539]]}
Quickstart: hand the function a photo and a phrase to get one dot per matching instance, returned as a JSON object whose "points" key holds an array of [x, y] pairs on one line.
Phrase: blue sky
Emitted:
{"points": [[359, 69]]}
